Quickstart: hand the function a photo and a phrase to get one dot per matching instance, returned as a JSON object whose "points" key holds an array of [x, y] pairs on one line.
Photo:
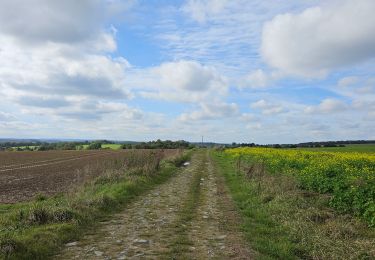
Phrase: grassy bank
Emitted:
{"points": [[35, 230], [281, 221]]}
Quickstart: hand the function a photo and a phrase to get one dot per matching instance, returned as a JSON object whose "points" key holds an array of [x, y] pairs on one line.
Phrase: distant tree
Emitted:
{"points": [[94, 146]]}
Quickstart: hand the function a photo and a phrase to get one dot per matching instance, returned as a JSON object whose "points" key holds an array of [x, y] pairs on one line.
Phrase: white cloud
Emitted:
{"points": [[268, 108], [247, 117], [6, 117], [320, 39], [58, 21], [254, 126], [188, 75], [200, 10], [327, 106], [359, 87], [348, 81], [214, 110], [181, 81], [56, 54], [256, 79]]}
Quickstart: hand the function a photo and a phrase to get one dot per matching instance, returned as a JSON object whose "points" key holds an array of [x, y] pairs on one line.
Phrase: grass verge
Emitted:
{"points": [[36, 230], [282, 221]]}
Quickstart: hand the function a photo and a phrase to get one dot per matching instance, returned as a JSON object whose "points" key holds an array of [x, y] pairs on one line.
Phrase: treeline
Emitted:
{"points": [[159, 144], [61, 146], [85, 145], [93, 145], [335, 143], [5, 145], [305, 145]]}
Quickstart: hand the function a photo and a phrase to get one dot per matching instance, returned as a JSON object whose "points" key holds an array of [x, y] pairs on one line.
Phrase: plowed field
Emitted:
{"points": [[23, 175]]}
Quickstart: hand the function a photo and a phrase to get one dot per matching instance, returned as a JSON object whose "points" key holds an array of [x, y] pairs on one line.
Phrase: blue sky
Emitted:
{"points": [[232, 71]]}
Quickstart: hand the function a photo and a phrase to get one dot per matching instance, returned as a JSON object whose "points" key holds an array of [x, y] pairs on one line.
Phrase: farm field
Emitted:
{"points": [[247, 202], [23, 175], [348, 176], [105, 146], [359, 148], [90, 185], [303, 205], [111, 146]]}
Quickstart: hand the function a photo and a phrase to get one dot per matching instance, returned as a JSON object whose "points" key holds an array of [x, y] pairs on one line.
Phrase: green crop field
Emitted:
{"points": [[104, 146], [112, 146]]}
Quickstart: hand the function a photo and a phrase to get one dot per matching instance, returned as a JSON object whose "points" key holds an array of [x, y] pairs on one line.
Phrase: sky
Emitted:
{"points": [[229, 70]]}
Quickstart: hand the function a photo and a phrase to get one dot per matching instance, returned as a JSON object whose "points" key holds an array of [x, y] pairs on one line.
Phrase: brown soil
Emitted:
{"points": [[23, 175]]}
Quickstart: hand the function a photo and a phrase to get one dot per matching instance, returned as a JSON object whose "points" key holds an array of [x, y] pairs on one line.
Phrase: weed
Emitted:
{"points": [[38, 215]]}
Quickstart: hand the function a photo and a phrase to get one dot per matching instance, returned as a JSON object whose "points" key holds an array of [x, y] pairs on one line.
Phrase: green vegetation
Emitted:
{"points": [[159, 144], [94, 146], [348, 177], [34, 230], [282, 221], [112, 146]]}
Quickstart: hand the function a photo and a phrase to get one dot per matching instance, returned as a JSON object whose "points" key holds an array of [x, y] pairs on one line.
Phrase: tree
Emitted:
{"points": [[94, 146]]}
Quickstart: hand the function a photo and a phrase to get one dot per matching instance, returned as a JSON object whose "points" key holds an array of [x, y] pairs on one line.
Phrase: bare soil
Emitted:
{"points": [[23, 175]]}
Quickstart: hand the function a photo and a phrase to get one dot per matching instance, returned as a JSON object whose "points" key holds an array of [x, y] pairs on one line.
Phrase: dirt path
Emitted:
{"points": [[189, 217], [215, 229]]}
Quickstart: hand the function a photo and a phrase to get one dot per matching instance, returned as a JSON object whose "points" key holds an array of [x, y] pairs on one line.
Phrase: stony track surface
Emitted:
{"points": [[149, 227]]}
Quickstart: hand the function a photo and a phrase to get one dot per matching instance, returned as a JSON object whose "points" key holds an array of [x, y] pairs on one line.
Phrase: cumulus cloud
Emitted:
{"points": [[58, 21], [215, 110], [184, 81], [327, 106], [320, 39], [268, 108], [54, 53], [188, 75]]}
